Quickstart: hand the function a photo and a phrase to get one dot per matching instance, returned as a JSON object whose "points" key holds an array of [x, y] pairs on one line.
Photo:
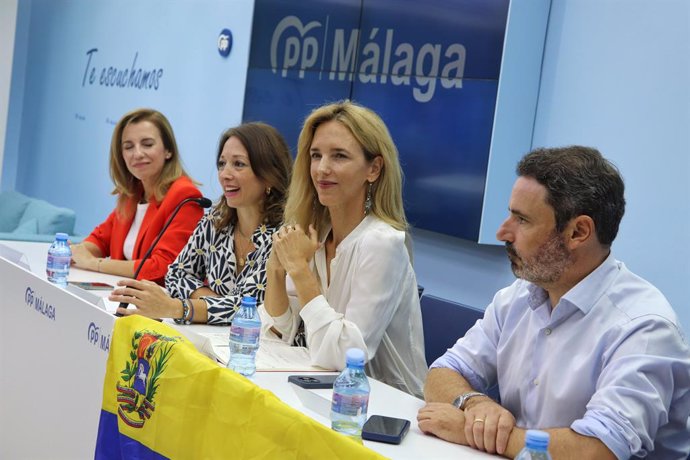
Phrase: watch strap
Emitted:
{"points": [[461, 401]]}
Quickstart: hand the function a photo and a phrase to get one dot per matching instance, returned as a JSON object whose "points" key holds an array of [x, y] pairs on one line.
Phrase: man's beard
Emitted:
{"points": [[546, 266]]}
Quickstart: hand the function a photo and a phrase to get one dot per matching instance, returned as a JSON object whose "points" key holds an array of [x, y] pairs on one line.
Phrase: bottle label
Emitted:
{"points": [[58, 262], [246, 335], [352, 405]]}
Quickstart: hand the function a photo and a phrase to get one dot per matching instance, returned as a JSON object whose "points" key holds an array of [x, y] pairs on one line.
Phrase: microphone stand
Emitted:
{"points": [[203, 202]]}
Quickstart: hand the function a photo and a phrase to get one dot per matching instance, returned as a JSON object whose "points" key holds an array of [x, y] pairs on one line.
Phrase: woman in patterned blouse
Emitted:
{"points": [[225, 258]]}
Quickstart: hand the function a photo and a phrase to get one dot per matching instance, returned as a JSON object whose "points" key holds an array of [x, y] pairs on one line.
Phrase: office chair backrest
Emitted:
{"points": [[444, 322]]}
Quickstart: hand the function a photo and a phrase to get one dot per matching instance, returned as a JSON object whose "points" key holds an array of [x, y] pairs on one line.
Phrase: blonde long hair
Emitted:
{"points": [[303, 206], [127, 186]]}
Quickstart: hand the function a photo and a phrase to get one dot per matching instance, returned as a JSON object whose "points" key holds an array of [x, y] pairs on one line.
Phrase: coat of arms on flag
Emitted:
{"points": [[139, 379]]}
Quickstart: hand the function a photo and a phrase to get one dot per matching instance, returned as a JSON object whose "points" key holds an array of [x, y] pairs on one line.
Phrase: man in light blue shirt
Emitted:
{"points": [[579, 345]]}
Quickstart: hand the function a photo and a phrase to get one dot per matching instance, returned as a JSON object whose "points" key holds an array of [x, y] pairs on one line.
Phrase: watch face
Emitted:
{"points": [[461, 400]]}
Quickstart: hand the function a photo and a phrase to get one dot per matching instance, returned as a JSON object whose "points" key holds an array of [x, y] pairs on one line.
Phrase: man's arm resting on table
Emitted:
{"points": [[444, 385], [485, 424]]}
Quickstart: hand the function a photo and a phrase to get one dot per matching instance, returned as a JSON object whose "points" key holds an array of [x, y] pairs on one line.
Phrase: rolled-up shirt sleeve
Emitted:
{"points": [[647, 358]]}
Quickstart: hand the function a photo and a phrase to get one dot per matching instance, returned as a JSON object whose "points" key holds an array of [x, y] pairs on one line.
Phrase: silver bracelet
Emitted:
{"points": [[185, 313]]}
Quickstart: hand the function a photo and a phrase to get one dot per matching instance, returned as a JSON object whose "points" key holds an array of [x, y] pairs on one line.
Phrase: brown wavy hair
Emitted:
{"points": [[270, 160]]}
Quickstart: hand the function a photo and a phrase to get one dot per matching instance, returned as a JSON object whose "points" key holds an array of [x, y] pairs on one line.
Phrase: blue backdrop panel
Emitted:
{"points": [[288, 75], [444, 150], [293, 35], [477, 25], [430, 69], [285, 105]]}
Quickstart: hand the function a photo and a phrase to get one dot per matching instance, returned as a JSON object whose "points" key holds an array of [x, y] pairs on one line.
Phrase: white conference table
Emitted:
{"points": [[52, 372]]}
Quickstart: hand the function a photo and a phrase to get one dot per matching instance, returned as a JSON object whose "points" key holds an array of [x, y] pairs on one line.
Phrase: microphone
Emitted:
{"points": [[202, 201]]}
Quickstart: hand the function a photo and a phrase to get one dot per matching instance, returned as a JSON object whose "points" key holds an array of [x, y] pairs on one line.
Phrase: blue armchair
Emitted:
{"points": [[30, 219]]}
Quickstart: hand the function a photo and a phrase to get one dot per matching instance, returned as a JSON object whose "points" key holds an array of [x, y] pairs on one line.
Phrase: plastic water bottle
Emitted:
{"points": [[244, 338], [351, 397], [536, 445], [59, 260]]}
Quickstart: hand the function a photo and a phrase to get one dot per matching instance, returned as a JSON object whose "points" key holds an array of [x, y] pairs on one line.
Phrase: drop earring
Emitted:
{"points": [[268, 190], [367, 202]]}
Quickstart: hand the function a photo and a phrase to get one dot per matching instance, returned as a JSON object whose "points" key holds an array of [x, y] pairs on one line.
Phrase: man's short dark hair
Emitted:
{"points": [[579, 181]]}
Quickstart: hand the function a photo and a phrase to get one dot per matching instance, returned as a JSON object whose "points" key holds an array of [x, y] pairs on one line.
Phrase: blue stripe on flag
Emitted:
{"points": [[111, 445]]}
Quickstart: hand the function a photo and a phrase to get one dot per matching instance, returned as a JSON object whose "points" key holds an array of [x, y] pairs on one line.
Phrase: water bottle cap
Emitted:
{"points": [[248, 301], [537, 440], [354, 357], [61, 236]]}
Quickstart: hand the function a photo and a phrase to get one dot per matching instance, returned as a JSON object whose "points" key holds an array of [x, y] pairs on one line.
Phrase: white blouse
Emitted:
{"points": [[372, 303], [130, 241]]}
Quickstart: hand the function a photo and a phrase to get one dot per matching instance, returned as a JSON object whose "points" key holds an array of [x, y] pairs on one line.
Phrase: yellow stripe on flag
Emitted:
{"points": [[180, 404]]}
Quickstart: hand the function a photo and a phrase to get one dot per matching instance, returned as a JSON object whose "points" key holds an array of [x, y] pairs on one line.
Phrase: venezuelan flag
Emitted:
{"points": [[163, 399]]}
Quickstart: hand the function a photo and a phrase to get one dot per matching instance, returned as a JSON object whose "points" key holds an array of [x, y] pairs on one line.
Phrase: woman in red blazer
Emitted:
{"points": [[149, 183]]}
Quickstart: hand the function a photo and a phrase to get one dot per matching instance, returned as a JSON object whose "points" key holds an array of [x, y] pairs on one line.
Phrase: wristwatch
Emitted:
{"points": [[461, 400]]}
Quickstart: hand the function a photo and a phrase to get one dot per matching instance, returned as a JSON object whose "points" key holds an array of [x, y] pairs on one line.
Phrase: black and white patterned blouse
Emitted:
{"points": [[208, 259]]}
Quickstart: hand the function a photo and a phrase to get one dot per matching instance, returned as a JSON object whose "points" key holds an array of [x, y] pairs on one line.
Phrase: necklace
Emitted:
{"points": [[242, 250], [242, 233]]}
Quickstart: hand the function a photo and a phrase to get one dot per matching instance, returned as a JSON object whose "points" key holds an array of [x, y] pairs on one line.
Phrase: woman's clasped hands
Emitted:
{"points": [[294, 248]]}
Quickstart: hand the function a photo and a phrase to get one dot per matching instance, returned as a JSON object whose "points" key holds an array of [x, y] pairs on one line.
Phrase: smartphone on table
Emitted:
{"points": [[390, 430], [313, 381], [92, 285]]}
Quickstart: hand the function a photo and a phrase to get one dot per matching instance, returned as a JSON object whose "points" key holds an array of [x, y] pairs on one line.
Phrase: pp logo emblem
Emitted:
{"points": [[225, 42]]}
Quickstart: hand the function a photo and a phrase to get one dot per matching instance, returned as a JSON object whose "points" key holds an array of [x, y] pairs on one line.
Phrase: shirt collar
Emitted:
{"points": [[585, 294], [537, 296], [262, 234]]}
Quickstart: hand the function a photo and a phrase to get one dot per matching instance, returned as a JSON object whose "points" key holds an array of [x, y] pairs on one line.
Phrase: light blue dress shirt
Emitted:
{"points": [[610, 362]]}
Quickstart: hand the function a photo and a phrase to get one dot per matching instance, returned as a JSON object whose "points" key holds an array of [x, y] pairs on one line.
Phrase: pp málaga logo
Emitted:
{"points": [[224, 42], [137, 390]]}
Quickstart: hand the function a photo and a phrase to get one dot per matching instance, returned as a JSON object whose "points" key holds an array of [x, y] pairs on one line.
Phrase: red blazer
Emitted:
{"points": [[110, 235]]}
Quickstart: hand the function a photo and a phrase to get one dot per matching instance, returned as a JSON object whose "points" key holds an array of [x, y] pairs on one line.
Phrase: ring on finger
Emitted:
{"points": [[478, 420]]}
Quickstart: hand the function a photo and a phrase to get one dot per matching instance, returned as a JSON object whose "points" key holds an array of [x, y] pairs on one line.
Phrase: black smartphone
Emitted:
{"points": [[92, 285], [313, 381], [385, 429]]}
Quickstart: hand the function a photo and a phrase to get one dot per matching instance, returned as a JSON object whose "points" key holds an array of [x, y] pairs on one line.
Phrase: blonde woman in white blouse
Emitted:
{"points": [[339, 275]]}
